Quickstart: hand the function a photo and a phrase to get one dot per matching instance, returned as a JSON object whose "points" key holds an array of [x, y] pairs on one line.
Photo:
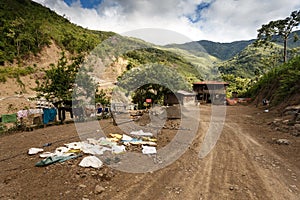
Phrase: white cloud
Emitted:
{"points": [[222, 21]]}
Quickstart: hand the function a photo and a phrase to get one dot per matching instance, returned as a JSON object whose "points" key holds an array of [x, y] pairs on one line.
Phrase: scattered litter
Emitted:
{"points": [[116, 137], [106, 142], [148, 150], [92, 141], [114, 143], [91, 161], [126, 138], [94, 149], [149, 139], [74, 145], [283, 141], [54, 159], [47, 144], [33, 151], [46, 155], [118, 149], [141, 133], [61, 150]]}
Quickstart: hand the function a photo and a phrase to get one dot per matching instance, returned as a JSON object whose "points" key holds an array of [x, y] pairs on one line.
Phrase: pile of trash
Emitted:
{"points": [[114, 143]]}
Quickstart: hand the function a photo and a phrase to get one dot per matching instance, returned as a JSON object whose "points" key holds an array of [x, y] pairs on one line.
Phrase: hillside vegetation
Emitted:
{"points": [[27, 27], [251, 61], [222, 51], [280, 84]]}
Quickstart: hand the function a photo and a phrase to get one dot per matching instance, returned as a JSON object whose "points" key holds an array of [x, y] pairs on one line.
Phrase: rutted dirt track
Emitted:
{"points": [[245, 164]]}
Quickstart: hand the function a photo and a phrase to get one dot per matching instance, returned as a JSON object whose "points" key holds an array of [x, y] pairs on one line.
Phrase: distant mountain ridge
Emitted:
{"points": [[225, 51]]}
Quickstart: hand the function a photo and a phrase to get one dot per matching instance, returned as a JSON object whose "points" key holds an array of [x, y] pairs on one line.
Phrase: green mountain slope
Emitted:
{"points": [[251, 62], [139, 54], [26, 27], [223, 51], [280, 85]]}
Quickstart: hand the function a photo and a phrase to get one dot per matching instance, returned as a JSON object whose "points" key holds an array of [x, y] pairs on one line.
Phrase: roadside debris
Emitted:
{"points": [[148, 150], [33, 151], [91, 161], [282, 141], [115, 143], [54, 159]]}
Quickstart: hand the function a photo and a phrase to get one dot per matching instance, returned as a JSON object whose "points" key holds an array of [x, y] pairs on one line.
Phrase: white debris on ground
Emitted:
{"points": [[114, 143]]}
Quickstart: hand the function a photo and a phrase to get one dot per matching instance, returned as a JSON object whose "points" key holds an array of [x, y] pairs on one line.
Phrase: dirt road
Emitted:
{"points": [[245, 164]]}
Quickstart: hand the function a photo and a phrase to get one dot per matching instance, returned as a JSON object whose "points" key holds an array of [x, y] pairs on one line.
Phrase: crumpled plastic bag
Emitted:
{"points": [[148, 150], [91, 161], [118, 149], [33, 151]]}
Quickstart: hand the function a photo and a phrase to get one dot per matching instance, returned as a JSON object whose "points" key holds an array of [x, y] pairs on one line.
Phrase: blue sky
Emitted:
{"points": [[215, 20], [85, 3]]}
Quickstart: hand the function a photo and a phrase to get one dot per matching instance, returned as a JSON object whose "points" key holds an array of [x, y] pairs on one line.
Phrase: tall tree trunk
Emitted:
{"points": [[285, 49]]}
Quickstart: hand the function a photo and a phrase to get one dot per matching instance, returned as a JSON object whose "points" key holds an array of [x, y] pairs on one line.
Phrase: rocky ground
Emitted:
{"points": [[247, 162]]}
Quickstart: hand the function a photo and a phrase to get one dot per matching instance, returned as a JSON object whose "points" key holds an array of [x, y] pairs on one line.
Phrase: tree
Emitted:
{"points": [[66, 81], [152, 81], [282, 27]]}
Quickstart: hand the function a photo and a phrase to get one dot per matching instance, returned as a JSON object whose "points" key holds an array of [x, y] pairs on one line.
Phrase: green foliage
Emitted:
{"points": [[282, 28], [101, 97], [237, 85], [26, 27], [139, 53], [153, 55], [251, 62], [221, 51], [3, 128], [156, 92], [152, 81], [14, 72], [65, 81], [280, 83]]}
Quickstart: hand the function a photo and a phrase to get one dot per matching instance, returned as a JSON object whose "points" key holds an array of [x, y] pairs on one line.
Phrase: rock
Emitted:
{"points": [[68, 192], [94, 173], [99, 189], [277, 129], [286, 121], [282, 141], [295, 107], [82, 186], [297, 127], [83, 175]]}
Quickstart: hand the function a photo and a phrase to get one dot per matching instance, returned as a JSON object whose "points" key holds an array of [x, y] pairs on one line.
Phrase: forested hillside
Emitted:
{"points": [[29, 28], [251, 62], [280, 84], [26, 27], [223, 51]]}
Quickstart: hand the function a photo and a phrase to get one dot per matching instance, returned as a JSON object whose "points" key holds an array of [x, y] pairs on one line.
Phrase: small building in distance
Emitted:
{"points": [[210, 91], [181, 97]]}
